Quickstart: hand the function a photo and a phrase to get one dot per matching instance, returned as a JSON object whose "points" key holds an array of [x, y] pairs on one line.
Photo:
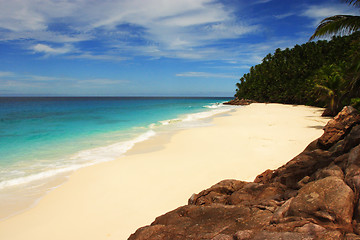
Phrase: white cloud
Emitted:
{"points": [[262, 1], [6, 74], [206, 75], [173, 26], [285, 15], [21, 81], [104, 57], [47, 50], [45, 36], [319, 12]]}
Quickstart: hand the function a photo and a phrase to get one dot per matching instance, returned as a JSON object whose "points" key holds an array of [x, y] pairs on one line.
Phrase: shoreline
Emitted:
{"points": [[111, 200], [20, 197]]}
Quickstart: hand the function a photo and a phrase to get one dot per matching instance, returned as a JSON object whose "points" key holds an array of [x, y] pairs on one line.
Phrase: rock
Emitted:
{"points": [[328, 113], [237, 101], [351, 236], [256, 193], [305, 164], [336, 128], [244, 235], [281, 212], [332, 170], [264, 177], [352, 171], [331, 235], [219, 193], [345, 145], [282, 236], [222, 237], [203, 222], [303, 181], [354, 156], [327, 199], [311, 228], [153, 232]]}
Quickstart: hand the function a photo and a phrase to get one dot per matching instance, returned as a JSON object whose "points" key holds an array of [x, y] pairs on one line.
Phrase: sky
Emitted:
{"points": [[146, 47]]}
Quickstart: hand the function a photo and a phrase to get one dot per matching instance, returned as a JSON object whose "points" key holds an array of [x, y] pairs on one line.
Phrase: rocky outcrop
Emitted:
{"points": [[237, 101], [313, 196], [338, 127]]}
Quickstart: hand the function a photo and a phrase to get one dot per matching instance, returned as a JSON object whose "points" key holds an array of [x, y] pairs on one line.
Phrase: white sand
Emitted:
{"points": [[111, 200]]}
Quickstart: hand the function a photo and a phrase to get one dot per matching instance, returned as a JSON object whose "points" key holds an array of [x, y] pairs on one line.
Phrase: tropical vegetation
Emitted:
{"points": [[322, 73], [338, 24]]}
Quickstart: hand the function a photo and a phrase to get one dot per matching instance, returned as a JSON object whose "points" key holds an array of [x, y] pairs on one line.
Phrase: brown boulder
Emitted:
{"points": [[336, 128], [281, 212], [351, 140], [256, 193], [305, 164], [282, 236], [332, 170], [203, 222], [244, 234], [222, 237], [328, 199], [237, 101], [218, 193], [352, 236], [264, 177]]}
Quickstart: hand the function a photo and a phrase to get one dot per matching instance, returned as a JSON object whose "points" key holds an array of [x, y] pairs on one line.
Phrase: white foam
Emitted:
{"points": [[214, 105], [169, 121], [103, 154], [81, 159], [216, 108], [202, 115], [38, 176]]}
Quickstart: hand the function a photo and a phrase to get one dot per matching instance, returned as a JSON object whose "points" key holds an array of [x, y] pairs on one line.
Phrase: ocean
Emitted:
{"points": [[44, 139]]}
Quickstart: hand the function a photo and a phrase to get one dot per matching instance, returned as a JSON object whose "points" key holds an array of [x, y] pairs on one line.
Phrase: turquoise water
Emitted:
{"points": [[43, 137]]}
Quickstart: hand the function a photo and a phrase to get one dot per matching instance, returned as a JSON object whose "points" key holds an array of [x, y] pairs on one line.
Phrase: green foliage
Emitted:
{"points": [[322, 73], [330, 86], [295, 76], [355, 3], [355, 102], [339, 24]]}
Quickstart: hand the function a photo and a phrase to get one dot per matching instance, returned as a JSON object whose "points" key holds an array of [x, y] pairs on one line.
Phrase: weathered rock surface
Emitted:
{"points": [[339, 126], [313, 196], [237, 101], [328, 199]]}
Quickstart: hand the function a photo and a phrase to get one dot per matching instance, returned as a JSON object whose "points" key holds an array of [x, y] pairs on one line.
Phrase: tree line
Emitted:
{"points": [[322, 73]]}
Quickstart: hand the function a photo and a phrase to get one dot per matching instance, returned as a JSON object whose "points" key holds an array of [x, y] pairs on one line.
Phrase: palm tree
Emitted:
{"points": [[329, 85], [338, 24], [344, 24]]}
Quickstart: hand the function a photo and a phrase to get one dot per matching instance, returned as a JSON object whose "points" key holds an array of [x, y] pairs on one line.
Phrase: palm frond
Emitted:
{"points": [[339, 24], [325, 89], [355, 3]]}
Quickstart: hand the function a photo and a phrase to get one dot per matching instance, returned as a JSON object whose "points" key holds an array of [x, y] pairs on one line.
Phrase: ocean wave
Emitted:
{"points": [[207, 114], [214, 105], [170, 121], [79, 160], [84, 158], [215, 108]]}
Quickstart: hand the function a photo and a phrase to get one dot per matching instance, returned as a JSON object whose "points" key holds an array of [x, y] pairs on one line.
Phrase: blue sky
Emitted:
{"points": [[146, 47]]}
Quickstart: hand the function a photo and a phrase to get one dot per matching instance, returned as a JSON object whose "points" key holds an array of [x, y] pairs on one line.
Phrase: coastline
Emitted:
{"points": [[111, 200], [23, 185]]}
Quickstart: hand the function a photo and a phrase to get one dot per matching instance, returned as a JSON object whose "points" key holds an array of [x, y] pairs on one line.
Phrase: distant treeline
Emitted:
{"points": [[315, 73]]}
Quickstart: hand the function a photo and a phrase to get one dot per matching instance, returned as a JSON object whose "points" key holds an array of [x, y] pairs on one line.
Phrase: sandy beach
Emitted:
{"points": [[111, 200]]}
